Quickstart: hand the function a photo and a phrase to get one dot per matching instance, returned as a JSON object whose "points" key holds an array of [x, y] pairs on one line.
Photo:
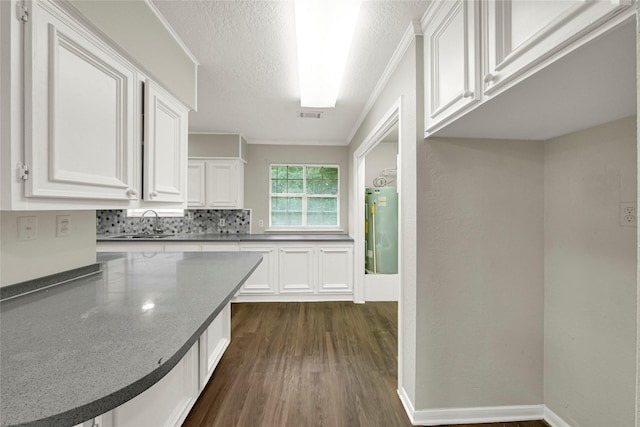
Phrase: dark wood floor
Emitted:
{"points": [[308, 364]]}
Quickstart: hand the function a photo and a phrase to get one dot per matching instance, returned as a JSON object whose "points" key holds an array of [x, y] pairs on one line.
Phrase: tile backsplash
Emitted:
{"points": [[237, 221]]}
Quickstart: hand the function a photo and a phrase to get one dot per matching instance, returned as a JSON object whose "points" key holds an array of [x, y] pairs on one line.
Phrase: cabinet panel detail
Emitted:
{"points": [[79, 123], [264, 278], [297, 270], [165, 147], [196, 184], [336, 269], [451, 60], [521, 36]]}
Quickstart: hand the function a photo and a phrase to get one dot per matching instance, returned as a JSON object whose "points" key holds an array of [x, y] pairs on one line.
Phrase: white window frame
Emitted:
{"points": [[335, 228]]}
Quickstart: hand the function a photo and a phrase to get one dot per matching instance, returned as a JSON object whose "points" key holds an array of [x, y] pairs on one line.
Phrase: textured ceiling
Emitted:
{"points": [[248, 79]]}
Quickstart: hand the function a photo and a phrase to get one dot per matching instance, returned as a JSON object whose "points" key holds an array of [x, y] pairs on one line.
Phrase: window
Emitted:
{"points": [[304, 196]]}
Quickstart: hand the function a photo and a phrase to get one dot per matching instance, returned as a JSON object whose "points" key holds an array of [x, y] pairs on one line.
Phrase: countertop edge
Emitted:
{"points": [[109, 402], [233, 238]]}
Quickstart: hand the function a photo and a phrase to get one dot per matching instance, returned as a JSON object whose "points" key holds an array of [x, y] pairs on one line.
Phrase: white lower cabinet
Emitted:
{"points": [[213, 343], [165, 404], [264, 278], [168, 402], [335, 268], [317, 271], [297, 269], [289, 271]]}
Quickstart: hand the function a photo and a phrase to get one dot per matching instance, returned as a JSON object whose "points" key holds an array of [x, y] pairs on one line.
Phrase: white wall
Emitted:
{"points": [[48, 254], [480, 273], [590, 276], [136, 28], [381, 157], [257, 170]]}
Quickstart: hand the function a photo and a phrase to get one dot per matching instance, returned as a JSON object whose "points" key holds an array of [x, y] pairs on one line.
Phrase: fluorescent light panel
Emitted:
{"points": [[324, 29]]}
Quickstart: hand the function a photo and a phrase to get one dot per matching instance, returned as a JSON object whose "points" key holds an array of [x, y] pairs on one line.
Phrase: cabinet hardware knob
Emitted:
{"points": [[489, 78], [153, 194], [467, 94], [131, 192]]}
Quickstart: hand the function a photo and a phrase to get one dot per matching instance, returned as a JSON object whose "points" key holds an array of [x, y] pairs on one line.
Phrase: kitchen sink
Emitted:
{"points": [[142, 236]]}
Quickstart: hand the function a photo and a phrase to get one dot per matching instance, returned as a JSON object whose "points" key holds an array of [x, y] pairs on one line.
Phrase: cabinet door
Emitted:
{"points": [[335, 268], [224, 183], [522, 36], [79, 113], [452, 66], [297, 270], [196, 184], [264, 278], [165, 146]]}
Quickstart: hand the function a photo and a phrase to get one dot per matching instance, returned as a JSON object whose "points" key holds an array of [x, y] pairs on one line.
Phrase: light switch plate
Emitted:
{"points": [[63, 225]]}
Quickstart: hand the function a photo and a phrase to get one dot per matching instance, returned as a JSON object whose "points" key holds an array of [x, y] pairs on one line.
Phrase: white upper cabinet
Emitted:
{"points": [[451, 47], [521, 36], [165, 146], [74, 136], [80, 139], [225, 183], [196, 184], [216, 183], [475, 50]]}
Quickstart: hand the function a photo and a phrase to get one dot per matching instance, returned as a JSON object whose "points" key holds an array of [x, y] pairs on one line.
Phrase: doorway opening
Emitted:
{"points": [[378, 188]]}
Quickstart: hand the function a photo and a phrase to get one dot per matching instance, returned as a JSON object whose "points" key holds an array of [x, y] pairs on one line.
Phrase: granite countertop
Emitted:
{"points": [[211, 237], [79, 349]]}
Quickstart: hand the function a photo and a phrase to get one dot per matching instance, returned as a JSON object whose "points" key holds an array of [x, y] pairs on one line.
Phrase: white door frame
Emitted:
{"points": [[390, 119]]}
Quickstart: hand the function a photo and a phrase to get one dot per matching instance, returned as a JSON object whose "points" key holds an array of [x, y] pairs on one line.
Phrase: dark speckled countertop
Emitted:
{"points": [[195, 237], [79, 349]]}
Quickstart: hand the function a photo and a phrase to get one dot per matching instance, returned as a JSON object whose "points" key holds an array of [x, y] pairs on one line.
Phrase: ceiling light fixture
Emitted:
{"points": [[324, 29]]}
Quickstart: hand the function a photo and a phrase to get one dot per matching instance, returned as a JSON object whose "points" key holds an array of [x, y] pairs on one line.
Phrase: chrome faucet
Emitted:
{"points": [[156, 227]]}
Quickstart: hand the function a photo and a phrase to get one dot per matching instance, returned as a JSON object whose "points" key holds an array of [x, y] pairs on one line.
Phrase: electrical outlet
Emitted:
{"points": [[63, 225], [629, 214], [260, 223], [27, 228], [222, 222]]}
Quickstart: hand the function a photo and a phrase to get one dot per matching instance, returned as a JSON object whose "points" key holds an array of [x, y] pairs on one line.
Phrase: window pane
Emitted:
{"points": [[278, 186], [278, 218], [330, 173], [314, 218], [279, 172], [294, 204], [330, 204], [278, 204], [295, 186], [295, 219], [331, 186], [294, 172], [314, 172], [315, 204], [314, 187]]}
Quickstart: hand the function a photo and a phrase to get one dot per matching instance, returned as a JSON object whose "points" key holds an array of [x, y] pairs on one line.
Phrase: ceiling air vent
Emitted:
{"points": [[310, 114]]}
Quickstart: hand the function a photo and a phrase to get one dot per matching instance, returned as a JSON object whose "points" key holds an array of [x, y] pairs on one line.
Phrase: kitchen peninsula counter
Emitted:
{"points": [[79, 349]]}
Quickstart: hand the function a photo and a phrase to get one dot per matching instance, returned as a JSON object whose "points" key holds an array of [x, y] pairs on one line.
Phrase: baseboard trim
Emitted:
{"points": [[495, 414], [434, 417], [406, 402], [554, 419]]}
